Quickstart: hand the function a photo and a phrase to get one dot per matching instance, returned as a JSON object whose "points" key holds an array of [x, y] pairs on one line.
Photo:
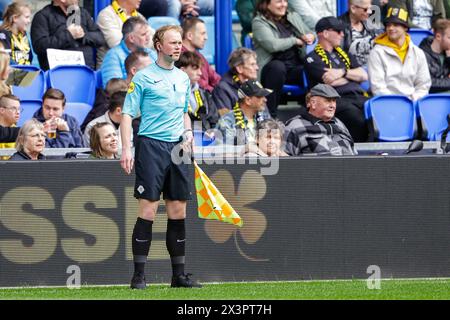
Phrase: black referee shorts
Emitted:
{"points": [[156, 173]]}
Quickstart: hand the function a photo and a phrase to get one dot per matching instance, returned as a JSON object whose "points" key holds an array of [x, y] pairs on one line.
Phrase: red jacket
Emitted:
{"points": [[210, 78]]}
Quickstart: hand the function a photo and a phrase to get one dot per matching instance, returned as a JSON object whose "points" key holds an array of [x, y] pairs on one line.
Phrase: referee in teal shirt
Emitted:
{"points": [[160, 93]]}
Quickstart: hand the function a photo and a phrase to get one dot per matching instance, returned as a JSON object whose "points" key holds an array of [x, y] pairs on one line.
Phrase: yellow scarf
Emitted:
{"points": [[402, 51], [20, 42], [200, 105], [121, 12]]}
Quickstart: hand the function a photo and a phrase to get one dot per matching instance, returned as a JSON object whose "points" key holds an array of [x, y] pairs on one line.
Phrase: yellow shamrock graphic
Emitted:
{"points": [[252, 188]]}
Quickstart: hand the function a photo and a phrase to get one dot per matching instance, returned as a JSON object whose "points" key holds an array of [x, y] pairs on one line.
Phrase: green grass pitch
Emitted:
{"points": [[430, 289]]}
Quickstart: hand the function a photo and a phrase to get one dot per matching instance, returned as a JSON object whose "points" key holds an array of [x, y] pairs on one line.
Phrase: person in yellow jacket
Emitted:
{"points": [[396, 65]]}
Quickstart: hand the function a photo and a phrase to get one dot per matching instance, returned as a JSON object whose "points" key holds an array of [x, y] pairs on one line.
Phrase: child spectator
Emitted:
{"points": [[13, 32]]}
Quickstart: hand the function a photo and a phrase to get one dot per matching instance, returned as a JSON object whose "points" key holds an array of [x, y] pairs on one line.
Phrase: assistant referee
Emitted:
{"points": [[161, 93]]}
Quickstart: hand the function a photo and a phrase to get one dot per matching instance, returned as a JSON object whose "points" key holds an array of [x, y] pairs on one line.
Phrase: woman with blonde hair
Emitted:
{"points": [[13, 32], [30, 141], [104, 141]]}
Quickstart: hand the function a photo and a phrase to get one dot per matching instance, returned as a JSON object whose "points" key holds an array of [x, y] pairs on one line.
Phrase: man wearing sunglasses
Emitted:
{"points": [[358, 32]]}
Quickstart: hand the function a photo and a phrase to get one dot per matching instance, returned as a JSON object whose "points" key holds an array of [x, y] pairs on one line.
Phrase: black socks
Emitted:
{"points": [[142, 239], [175, 242]]}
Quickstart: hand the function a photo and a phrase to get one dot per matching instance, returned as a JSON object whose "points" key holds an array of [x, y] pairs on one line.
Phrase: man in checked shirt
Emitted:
{"points": [[316, 130]]}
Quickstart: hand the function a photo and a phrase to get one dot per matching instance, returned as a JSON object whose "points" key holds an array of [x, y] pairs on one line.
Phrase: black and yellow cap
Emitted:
{"points": [[397, 15]]}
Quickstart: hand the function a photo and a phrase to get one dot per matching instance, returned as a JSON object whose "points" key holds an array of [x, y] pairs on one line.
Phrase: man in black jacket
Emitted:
{"points": [[358, 33], [64, 25], [437, 52]]}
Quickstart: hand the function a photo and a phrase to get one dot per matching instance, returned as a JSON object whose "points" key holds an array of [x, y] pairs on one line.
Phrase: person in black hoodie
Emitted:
{"points": [[52, 28], [437, 52]]}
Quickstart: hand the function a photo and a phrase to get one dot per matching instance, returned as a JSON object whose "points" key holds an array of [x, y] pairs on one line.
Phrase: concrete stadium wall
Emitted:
{"points": [[318, 218]]}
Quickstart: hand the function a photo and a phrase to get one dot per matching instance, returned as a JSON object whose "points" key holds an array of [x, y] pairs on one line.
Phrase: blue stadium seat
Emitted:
{"points": [[158, 21], [77, 110], [365, 85], [29, 108], [76, 81], [210, 47], [417, 35], [393, 117], [36, 90], [432, 111], [201, 140]]}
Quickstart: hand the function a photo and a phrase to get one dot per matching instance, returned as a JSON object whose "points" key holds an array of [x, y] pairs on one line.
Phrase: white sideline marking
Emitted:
{"points": [[231, 282]]}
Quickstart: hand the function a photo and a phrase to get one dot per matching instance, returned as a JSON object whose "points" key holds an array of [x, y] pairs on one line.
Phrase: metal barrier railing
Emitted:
{"points": [[229, 150]]}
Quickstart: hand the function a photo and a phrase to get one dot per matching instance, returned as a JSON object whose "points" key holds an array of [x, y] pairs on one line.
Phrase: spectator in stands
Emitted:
{"points": [[105, 142], [194, 39], [13, 32], [280, 38], [190, 8], [113, 116], [426, 12], [4, 71], [239, 127], [9, 115], [316, 130], [110, 21], [68, 133], [330, 64], [396, 65], [202, 110], [269, 140], [243, 67], [312, 11], [50, 28], [101, 103], [358, 34], [437, 52], [136, 36], [245, 10], [30, 141], [136, 61]]}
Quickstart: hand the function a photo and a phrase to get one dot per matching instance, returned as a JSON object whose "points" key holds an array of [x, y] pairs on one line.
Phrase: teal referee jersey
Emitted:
{"points": [[162, 97]]}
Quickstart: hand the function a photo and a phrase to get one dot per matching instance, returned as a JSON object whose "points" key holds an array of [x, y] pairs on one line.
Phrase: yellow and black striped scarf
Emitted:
{"points": [[121, 12]]}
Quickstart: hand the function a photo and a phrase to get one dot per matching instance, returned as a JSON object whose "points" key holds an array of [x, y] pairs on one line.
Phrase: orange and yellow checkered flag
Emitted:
{"points": [[211, 203]]}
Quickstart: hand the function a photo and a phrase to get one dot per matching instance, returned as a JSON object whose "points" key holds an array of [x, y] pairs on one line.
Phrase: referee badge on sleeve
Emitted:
{"points": [[131, 87]]}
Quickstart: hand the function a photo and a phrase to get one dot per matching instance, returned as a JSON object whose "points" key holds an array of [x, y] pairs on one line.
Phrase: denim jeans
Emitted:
{"points": [[206, 8]]}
